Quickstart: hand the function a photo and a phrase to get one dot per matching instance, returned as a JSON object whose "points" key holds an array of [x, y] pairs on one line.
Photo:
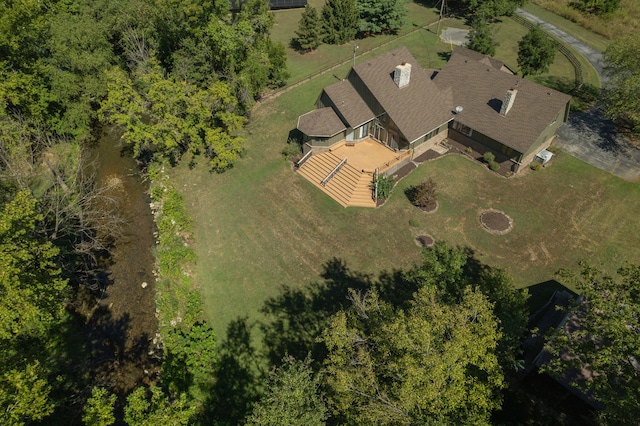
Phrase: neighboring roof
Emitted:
{"points": [[480, 89], [350, 105], [417, 108], [479, 57], [321, 122]]}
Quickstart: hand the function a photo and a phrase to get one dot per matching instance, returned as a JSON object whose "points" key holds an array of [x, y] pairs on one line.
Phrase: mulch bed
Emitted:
{"points": [[496, 222], [430, 208], [425, 240]]}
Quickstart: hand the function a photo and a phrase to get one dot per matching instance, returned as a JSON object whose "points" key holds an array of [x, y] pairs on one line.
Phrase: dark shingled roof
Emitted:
{"points": [[350, 105], [479, 57], [321, 122], [480, 89], [417, 108]]}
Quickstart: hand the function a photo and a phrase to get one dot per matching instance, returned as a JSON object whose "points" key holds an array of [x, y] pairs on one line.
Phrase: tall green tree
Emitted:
{"points": [[340, 21], [452, 271], [98, 411], [381, 16], [292, 397], [151, 407], [432, 363], [603, 339], [481, 38], [622, 91], [172, 117], [309, 32], [536, 52]]}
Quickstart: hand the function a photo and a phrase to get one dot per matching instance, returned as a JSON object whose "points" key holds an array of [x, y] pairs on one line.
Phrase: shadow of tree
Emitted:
{"points": [[238, 376]]}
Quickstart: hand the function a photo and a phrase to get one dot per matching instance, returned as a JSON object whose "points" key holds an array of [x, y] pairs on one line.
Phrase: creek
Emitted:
{"points": [[123, 323]]}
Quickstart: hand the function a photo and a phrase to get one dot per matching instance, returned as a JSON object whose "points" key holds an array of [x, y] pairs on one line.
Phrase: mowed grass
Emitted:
{"points": [[259, 226]]}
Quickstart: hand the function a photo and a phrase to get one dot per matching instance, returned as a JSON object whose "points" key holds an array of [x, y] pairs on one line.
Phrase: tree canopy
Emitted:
{"points": [[622, 91], [603, 339], [480, 38], [309, 32], [340, 21], [432, 363], [536, 52], [380, 16]]}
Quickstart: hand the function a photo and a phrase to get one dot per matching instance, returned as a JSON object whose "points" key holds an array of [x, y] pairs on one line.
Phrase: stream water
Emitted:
{"points": [[123, 324]]}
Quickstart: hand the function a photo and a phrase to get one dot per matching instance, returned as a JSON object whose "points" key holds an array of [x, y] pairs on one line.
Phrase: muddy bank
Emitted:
{"points": [[122, 324]]}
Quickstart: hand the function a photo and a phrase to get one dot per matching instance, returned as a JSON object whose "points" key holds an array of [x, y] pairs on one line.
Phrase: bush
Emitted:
{"points": [[489, 157], [414, 223], [469, 150], [535, 166], [292, 150], [495, 166], [385, 185], [424, 194]]}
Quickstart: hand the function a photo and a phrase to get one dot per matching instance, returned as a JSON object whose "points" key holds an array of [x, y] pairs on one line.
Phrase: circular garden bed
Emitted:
{"points": [[425, 240], [496, 222]]}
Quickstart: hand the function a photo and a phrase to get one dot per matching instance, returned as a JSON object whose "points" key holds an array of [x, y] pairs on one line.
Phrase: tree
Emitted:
{"points": [[433, 363], [292, 397], [452, 270], [340, 21], [30, 283], [424, 194], [536, 52], [24, 395], [597, 7], [98, 411], [381, 16], [622, 91], [480, 37], [309, 32], [156, 409], [604, 340], [173, 117]]}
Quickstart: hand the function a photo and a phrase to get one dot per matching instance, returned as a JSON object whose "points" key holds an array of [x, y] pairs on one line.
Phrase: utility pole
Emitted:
{"points": [[355, 47], [440, 18]]}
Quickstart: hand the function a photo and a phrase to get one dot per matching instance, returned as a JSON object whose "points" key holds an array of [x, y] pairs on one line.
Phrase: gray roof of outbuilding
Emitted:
{"points": [[480, 89], [349, 104], [321, 122], [417, 108]]}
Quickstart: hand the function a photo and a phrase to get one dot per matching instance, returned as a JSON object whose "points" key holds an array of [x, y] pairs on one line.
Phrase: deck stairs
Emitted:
{"points": [[349, 187]]}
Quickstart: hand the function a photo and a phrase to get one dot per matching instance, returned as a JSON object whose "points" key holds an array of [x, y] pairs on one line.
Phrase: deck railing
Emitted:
{"points": [[303, 159], [333, 172]]}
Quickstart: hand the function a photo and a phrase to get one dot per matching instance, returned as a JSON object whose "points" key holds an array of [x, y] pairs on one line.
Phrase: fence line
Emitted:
{"points": [[305, 79]]}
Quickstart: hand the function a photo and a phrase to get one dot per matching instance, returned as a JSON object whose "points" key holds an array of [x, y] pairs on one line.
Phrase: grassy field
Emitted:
{"points": [[624, 22], [260, 226]]}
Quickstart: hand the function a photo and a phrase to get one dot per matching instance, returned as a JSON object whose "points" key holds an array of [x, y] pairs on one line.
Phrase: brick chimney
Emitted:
{"points": [[402, 74], [509, 99]]}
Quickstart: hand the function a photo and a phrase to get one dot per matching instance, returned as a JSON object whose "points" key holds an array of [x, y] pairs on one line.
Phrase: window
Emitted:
{"points": [[465, 130]]}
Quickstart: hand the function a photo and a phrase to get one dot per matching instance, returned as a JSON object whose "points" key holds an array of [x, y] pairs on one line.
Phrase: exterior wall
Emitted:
{"points": [[421, 146], [482, 143], [315, 141], [543, 141]]}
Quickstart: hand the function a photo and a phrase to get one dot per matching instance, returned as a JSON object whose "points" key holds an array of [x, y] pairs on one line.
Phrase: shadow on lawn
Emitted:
{"points": [[293, 321]]}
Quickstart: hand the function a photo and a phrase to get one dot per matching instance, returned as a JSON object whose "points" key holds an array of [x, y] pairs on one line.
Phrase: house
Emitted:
{"points": [[474, 100]]}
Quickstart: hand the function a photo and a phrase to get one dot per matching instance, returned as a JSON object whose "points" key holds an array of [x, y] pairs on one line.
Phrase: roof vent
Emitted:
{"points": [[509, 99], [402, 74]]}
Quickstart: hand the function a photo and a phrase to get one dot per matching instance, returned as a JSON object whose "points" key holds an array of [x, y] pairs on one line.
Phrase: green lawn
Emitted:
{"points": [[260, 226]]}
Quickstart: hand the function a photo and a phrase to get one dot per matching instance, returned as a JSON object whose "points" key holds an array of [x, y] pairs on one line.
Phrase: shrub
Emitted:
{"points": [[554, 149], [489, 157], [535, 166], [292, 149], [414, 223], [423, 194], [385, 185], [469, 150], [495, 166]]}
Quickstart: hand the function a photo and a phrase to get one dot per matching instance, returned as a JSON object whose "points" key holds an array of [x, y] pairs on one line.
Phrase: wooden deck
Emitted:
{"points": [[351, 185]]}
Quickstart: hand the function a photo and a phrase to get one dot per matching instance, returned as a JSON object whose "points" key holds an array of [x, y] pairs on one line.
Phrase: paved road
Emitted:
{"points": [[590, 136]]}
